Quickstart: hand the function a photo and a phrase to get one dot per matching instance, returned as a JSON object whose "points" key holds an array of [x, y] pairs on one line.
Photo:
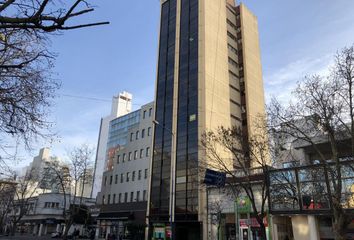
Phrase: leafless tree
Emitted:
{"points": [[44, 15], [26, 188], [71, 180], [246, 172], [26, 84], [322, 113], [7, 195], [57, 177]]}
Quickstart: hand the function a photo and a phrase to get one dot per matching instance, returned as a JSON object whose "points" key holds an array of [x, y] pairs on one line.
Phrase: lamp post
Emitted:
{"points": [[155, 122]]}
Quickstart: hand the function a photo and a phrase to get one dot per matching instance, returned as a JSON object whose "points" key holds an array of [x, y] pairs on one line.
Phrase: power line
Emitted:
{"points": [[86, 97], [93, 98]]}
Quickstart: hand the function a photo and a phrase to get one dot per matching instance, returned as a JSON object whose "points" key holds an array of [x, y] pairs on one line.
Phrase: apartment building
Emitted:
{"points": [[123, 195], [209, 75], [44, 214]]}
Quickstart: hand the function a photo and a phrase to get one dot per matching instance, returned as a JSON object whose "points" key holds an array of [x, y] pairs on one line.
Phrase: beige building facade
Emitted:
{"points": [[209, 75]]}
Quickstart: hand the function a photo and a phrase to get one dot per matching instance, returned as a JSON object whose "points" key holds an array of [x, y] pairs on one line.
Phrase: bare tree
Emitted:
{"points": [[71, 180], [26, 188], [7, 195], [26, 85], [323, 114], [245, 151], [44, 15], [57, 176]]}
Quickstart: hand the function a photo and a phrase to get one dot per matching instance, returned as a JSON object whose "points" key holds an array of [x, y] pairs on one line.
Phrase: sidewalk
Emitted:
{"points": [[28, 237], [25, 237]]}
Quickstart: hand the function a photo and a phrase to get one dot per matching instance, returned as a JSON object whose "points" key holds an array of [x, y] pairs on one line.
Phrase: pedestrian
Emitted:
{"points": [[114, 237], [76, 234], [92, 234]]}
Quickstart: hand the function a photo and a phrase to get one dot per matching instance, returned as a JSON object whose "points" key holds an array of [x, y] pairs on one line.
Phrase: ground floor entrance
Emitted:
{"points": [[314, 227]]}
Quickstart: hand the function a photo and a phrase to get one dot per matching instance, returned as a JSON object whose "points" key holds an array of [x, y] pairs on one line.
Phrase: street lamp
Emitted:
{"points": [[155, 122]]}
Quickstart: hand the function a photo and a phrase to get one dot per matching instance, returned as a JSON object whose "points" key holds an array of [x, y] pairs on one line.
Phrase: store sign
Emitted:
{"points": [[243, 205], [214, 178], [252, 222], [159, 233], [168, 232], [249, 222]]}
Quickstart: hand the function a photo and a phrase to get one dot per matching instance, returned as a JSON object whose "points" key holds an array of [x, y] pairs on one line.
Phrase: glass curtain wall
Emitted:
{"points": [[187, 122], [161, 164]]}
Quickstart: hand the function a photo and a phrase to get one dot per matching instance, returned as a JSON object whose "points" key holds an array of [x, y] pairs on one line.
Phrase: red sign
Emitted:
{"points": [[252, 222]]}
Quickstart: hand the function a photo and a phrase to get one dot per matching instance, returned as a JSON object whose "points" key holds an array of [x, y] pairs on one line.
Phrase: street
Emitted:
{"points": [[27, 237], [24, 237]]}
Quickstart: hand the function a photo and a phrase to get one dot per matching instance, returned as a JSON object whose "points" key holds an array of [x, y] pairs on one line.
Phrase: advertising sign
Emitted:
{"points": [[243, 205], [159, 232]]}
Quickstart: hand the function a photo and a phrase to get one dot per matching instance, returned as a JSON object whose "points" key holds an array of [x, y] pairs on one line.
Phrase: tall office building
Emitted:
{"points": [[209, 75]]}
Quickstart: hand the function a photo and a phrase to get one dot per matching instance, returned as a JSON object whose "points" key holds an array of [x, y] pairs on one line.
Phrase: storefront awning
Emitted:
{"points": [[115, 215]]}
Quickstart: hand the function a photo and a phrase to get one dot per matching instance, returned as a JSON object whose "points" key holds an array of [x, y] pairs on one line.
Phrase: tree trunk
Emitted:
{"points": [[262, 228], [67, 228], [13, 229], [339, 224]]}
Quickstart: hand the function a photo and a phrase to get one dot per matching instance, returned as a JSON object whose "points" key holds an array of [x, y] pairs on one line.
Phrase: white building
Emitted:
{"points": [[123, 196], [45, 214], [121, 105], [39, 162]]}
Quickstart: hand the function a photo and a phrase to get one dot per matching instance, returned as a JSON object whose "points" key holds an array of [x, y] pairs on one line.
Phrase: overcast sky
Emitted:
{"points": [[297, 38]]}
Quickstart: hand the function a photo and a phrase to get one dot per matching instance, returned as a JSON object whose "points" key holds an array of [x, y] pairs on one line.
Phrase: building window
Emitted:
{"points": [[135, 154], [137, 135], [130, 156], [231, 48], [150, 112], [109, 199], [118, 159], [133, 176], [139, 175], [126, 197], [123, 157], [131, 136], [119, 198], [146, 174], [105, 180], [143, 133], [116, 179], [138, 196], [144, 114], [114, 199], [103, 199], [122, 178], [149, 131], [233, 37], [110, 180], [144, 195], [141, 153], [147, 151], [232, 62], [128, 176], [131, 196]]}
